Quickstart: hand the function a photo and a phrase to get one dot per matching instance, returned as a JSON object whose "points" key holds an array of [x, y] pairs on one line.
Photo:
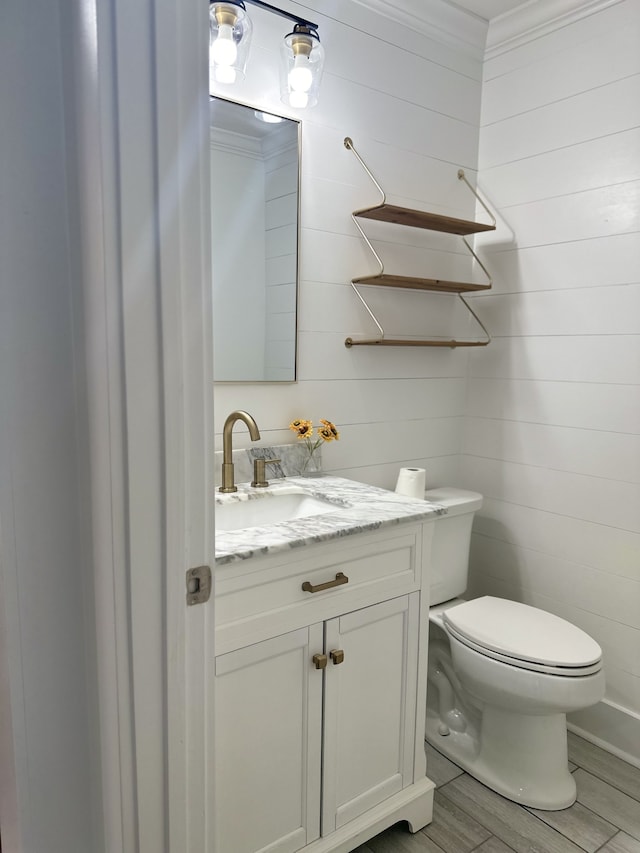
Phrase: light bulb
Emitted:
{"points": [[223, 49], [298, 100], [300, 76], [224, 74]]}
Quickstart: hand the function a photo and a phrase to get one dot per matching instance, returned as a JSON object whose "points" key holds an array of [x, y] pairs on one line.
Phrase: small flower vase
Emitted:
{"points": [[309, 461]]}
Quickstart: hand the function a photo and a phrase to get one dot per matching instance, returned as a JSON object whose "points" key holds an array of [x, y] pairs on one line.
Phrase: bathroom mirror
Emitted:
{"points": [[254, 224]]}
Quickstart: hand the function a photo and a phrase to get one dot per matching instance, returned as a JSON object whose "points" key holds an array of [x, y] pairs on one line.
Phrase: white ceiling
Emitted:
{"points": [[488, 9]]}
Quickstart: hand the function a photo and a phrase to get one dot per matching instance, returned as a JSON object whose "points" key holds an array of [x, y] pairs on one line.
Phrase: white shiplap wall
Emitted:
{"points": [[411, 104], [547, 416], [552, 434]]}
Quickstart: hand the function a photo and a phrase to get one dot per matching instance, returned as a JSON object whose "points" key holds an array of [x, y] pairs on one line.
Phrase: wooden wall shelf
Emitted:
{"points": [[408, 217], [436, 285], [422, 219], [390, 342]]}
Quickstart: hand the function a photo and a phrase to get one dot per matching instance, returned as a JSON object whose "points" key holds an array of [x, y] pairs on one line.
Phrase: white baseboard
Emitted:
{"points": [[610, 726]]}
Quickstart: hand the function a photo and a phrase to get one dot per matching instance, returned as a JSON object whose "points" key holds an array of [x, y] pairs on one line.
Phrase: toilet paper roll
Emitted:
{"points": [[411, 483]]}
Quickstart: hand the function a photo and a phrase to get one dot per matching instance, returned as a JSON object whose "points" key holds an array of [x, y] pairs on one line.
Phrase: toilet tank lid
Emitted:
{"points": [[523, 632], [456, 501]]}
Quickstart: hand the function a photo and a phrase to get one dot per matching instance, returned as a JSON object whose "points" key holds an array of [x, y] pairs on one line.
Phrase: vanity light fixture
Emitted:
{"points": [[302, 55], [230, 31]]}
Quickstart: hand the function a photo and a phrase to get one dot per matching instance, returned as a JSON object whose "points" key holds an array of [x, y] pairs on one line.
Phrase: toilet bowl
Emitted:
{"points": [[502, 676]]}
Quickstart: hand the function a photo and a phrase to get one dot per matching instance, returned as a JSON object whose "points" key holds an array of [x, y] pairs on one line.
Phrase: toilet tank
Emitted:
{"points": [[451, 541]]}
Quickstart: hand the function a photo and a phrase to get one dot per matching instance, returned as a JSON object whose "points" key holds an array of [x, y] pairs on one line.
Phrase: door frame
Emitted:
{"points": [[143, 181]]}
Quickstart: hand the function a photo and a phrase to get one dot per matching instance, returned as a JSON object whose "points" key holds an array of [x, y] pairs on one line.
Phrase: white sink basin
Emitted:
{"points": [[269, 508]]}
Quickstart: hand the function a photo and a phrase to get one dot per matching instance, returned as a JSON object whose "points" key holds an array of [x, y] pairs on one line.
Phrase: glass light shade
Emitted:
{"points": [[301, 68], [230, 31]]}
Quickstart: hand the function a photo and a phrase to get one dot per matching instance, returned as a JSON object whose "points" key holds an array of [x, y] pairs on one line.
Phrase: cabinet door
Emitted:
{"points": [[370, 708], [268, 705]]}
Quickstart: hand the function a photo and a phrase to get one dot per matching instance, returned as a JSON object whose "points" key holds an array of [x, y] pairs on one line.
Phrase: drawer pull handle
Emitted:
{"points": [[339, 580]]}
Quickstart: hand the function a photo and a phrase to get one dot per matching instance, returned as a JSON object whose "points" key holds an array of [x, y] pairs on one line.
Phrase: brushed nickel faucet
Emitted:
{"points": [[228, 484]]}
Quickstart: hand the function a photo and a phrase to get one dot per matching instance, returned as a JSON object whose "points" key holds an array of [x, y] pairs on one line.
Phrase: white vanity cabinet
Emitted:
{"points": [[369, 708], [319, 696], [268, 718]]}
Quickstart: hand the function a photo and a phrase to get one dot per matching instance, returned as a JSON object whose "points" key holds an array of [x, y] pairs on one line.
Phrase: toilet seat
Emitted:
{"points": [[523, 636]]}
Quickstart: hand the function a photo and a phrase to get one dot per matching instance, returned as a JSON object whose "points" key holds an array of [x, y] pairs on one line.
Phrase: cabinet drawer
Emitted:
{"points": [[256, 597]]}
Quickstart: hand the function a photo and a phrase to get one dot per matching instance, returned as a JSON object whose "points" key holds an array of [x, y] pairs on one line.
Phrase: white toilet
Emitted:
{"points": [[502, 675]]}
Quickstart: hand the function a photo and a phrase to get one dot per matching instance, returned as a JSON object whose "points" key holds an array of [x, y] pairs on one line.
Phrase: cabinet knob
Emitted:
{"points": [[337, 656], [320, 661]]}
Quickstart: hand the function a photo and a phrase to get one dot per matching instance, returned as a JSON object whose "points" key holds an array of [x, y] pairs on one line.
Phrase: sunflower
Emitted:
{"points": [[328, 431], [303, 429]]}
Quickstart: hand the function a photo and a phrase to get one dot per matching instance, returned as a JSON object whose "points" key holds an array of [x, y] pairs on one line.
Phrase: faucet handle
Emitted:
{"points": [[259, 474]]}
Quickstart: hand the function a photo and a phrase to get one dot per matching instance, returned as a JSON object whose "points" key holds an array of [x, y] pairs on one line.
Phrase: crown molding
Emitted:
{"points": [[235, 143], [277, 144], [535, 19], [437, 19], [250, 147], [449, 24]]}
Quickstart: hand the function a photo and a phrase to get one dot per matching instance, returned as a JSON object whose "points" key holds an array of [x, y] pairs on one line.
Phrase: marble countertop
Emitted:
{"points": [[358, 508]]}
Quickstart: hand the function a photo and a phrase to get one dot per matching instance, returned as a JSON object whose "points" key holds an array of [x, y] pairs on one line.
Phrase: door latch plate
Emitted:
{"points": [[198, 585]]}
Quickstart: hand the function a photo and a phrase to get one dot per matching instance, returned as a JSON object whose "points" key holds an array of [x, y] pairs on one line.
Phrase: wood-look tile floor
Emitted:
{"points": [[467, 816]]}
